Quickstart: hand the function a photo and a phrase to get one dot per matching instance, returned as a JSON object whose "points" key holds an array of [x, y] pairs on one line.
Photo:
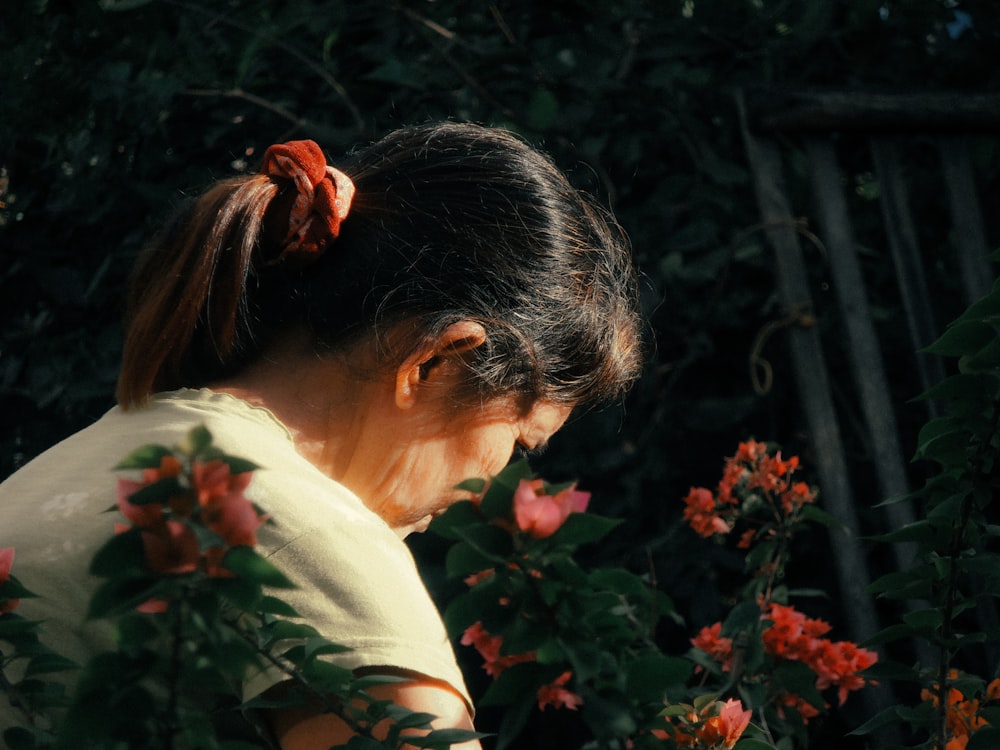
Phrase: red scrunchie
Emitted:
{"points": [[323, 197]]}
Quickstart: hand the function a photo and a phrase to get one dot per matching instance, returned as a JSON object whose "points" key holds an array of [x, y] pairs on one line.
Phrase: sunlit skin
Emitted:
{"points": [[401, 439]]}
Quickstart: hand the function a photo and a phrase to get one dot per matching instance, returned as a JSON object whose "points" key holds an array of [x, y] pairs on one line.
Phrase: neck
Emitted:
{"points": [[323, 402]]}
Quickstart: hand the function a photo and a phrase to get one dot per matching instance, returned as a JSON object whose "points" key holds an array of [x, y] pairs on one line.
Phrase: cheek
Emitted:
{"points": [[495, 452]]}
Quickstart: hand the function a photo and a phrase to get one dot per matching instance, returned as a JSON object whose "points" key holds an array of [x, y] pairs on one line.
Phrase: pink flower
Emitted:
{"points": [[557, 696], [6, 562], [140, 515], [224, 508], [541, 515], [151, 514]]}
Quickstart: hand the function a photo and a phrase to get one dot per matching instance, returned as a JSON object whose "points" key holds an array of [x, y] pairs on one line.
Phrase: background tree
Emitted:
{"points": [[110, 111]]}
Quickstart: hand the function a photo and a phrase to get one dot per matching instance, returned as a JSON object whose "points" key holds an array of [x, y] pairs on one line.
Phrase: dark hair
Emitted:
{"points": [[449, 222]]}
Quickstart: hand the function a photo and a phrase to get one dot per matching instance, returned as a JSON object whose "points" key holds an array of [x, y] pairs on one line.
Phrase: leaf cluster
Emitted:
{"points": [[185, 644], [958, 567], [597, 624]]}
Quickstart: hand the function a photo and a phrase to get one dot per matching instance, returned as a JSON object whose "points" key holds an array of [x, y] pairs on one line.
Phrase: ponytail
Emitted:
{"points": [[186, 310]]}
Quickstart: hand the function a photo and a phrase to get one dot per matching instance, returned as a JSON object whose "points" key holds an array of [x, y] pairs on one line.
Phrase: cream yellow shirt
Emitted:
{"points": [[357, 582]]}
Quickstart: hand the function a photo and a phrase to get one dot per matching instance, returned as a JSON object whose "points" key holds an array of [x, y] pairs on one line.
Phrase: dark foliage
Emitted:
{"points": [[110, 111]]}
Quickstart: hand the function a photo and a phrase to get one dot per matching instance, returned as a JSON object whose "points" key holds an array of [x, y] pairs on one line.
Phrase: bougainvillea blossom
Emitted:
{"points": [[212, 496], [489, 646], [701, 513], [791, 636], [540, 514], [718, 726], [556, 695], [963, 716], [712, 642]]}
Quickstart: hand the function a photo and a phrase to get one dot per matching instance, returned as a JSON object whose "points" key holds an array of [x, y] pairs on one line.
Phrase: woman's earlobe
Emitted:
{"points": [[408, 379]]}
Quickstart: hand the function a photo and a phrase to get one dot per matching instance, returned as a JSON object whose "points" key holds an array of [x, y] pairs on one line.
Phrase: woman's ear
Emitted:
{"points": [[454, 341]]}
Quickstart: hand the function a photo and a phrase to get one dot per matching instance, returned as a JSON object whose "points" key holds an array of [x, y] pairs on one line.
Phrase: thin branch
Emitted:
{"points": [[238, 93], [422, 23], [319, 70]]}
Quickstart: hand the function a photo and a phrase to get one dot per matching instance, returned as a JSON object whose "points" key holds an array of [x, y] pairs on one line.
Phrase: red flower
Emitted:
{"points": [[215, 500], [710, 640], [482, 575], [6, 562], [557, 696], [717, 727], [804, 708], [489, 646], [541, 515], [725, 728], [171, 548], [701, 513], [796, 496]]}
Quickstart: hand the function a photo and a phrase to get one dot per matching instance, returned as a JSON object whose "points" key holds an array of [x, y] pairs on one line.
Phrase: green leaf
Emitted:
{"points": [[753, 744], [275, 606], [924, 621], [146, 457], [49, 662], [117, 596], [890, 634], [319, 646], [986, 738], [962, 337], [489, 541], [247, 563], [822, 517], [281, 630], [160, 491], [584, 528], [239, 465], [512, 683], [651, 677], [985, 359], [13, 625], [475, 486], [498, 499], [797, 678], [198, 440], [453, 521], [12, 588], [463, 559], [121, 554], [607, 715], [444, 738], [966, 387], [744, 617]]}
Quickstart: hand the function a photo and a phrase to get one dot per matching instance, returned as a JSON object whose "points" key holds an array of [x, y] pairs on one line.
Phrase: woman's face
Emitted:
{"points": [[429, 450]]}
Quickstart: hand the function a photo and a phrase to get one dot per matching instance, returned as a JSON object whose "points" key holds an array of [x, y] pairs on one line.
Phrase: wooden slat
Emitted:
{"points": [[967, 218], [813, 384], [864, 352], [772, 109], [901, 234]]}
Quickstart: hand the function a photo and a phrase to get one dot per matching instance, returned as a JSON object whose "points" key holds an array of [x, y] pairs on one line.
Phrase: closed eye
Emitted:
{"points": [[524, 451]]}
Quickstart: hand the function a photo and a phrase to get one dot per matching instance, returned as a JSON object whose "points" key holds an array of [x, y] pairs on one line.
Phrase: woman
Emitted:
{"points": [[371, 335]]}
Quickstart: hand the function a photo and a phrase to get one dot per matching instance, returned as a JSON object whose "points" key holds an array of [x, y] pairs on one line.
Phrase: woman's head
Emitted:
{"points": [[449, 223]]}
